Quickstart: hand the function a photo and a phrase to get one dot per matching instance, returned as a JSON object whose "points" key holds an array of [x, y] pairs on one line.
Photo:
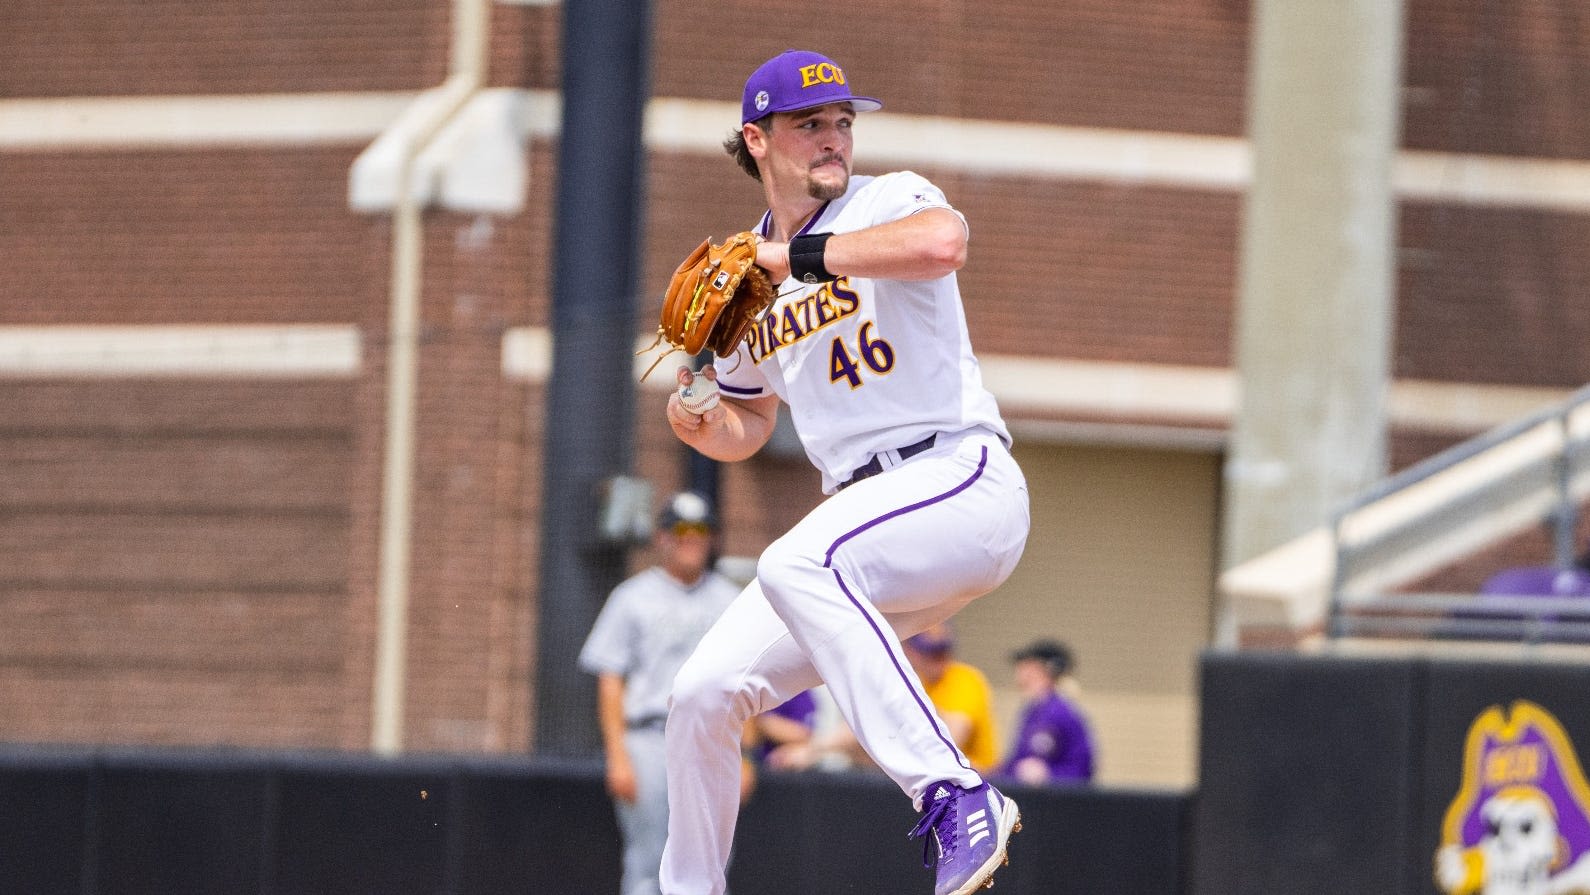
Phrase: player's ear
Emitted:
{"points": [[755, 139]]}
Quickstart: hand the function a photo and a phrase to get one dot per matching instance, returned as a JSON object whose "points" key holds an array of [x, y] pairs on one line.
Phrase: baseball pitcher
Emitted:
{"points": [[842, 305]]}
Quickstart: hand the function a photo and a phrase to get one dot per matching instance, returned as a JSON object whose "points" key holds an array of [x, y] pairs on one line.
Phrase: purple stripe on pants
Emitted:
{"points": [[882, 639]]}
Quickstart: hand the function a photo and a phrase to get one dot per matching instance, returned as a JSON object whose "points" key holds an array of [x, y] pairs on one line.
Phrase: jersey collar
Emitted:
{"points": [[766, 227]]}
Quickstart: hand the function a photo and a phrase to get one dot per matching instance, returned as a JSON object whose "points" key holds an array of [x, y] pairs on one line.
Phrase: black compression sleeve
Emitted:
{"points": [[806, 258]]}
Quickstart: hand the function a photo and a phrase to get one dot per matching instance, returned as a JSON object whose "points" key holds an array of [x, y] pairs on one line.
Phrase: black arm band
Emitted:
{"points": [[806, 258]]}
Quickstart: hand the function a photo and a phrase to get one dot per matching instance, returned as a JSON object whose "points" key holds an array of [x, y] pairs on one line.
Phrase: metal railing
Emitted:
{"points": [[1444, 508]]}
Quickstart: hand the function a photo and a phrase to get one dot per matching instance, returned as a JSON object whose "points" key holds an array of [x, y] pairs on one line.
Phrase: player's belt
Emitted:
{"points": [[648, 722], [875, 465]]}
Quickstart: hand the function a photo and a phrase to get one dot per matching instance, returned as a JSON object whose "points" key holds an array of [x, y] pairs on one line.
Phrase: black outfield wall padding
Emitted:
{"points": [[45, 802], [850, 835], [128, 822], [1304, 775], [1328, 774], [167, 830], [362, 831], [1319, 775], [1099, 840]]}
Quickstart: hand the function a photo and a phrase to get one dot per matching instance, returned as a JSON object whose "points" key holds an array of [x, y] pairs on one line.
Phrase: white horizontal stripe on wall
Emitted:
{"points": [[310, 351], [276, 119], [1188, 161], [1101, 390], [1096, 390]]}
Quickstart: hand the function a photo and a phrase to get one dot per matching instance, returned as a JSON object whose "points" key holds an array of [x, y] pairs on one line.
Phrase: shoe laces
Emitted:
{"points": [[938, 825]]}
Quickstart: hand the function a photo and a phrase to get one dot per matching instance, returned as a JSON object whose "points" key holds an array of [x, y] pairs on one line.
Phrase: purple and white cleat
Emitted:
{"points": [[970, 829]]}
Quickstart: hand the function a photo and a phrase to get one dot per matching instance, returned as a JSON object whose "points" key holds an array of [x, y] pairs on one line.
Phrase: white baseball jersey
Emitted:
{"points": [[866, 366]]}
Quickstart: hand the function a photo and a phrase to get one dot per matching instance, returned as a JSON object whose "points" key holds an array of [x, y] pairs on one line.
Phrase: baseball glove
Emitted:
{"points": [[715, 296]]}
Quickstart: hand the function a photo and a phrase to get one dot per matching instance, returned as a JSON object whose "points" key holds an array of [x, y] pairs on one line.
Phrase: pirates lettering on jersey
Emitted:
{"points": [[789, 323]]}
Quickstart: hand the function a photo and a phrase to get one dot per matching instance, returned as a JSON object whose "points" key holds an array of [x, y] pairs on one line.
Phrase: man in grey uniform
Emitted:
{"points": [[649, 626]]}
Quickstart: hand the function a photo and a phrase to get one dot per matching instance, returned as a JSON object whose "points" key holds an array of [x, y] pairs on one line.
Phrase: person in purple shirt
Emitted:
{"points": [[1054, 743], [786, 726]]}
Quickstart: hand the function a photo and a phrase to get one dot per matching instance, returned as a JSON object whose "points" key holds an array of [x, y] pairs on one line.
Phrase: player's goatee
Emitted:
{"points": [[827, 191]]}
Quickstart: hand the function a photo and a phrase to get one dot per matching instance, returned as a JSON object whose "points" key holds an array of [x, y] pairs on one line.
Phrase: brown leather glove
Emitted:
{"points": [[715, 297]]}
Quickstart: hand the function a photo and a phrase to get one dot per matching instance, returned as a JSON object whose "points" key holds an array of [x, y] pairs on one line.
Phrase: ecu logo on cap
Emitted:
{"points": [[821, 73]]}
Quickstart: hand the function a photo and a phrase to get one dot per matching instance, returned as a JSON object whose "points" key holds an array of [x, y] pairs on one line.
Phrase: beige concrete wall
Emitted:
{"points": [[1120, 565]]}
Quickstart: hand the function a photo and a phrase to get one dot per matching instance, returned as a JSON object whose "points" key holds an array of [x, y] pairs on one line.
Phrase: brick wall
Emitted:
{"points": [[204, 236], [109, 48], [1493, 295], [1174, 65], [1501, 78], [174, 560]]}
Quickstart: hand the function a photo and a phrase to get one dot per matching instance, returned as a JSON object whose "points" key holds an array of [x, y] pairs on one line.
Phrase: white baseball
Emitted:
{"points": [[700, 396]]}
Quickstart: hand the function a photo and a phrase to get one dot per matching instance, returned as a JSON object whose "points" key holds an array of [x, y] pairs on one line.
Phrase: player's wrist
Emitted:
{"points": [[807, 258], [773, 257]]}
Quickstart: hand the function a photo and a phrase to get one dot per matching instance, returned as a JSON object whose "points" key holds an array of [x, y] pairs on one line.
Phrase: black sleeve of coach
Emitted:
{"points": [[806, 258]]}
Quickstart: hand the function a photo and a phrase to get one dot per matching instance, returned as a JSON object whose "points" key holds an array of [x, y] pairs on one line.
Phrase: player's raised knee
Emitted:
{"points": [[782, 564], [701, 691]]}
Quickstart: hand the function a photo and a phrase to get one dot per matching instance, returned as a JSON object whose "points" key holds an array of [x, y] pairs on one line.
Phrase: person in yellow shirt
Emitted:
{"points": [[959, 691]]}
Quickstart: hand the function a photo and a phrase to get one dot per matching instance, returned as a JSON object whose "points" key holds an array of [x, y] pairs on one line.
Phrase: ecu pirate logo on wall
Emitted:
{"points": [[1520, 824]]}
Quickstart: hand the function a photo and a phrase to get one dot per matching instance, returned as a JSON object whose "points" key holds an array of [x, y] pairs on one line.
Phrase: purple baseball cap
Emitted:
{"points": [[795, 80], [938, 640]]}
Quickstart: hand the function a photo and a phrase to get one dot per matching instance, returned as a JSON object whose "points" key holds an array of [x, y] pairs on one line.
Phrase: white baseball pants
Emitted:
{"points": [[881, 560]]}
